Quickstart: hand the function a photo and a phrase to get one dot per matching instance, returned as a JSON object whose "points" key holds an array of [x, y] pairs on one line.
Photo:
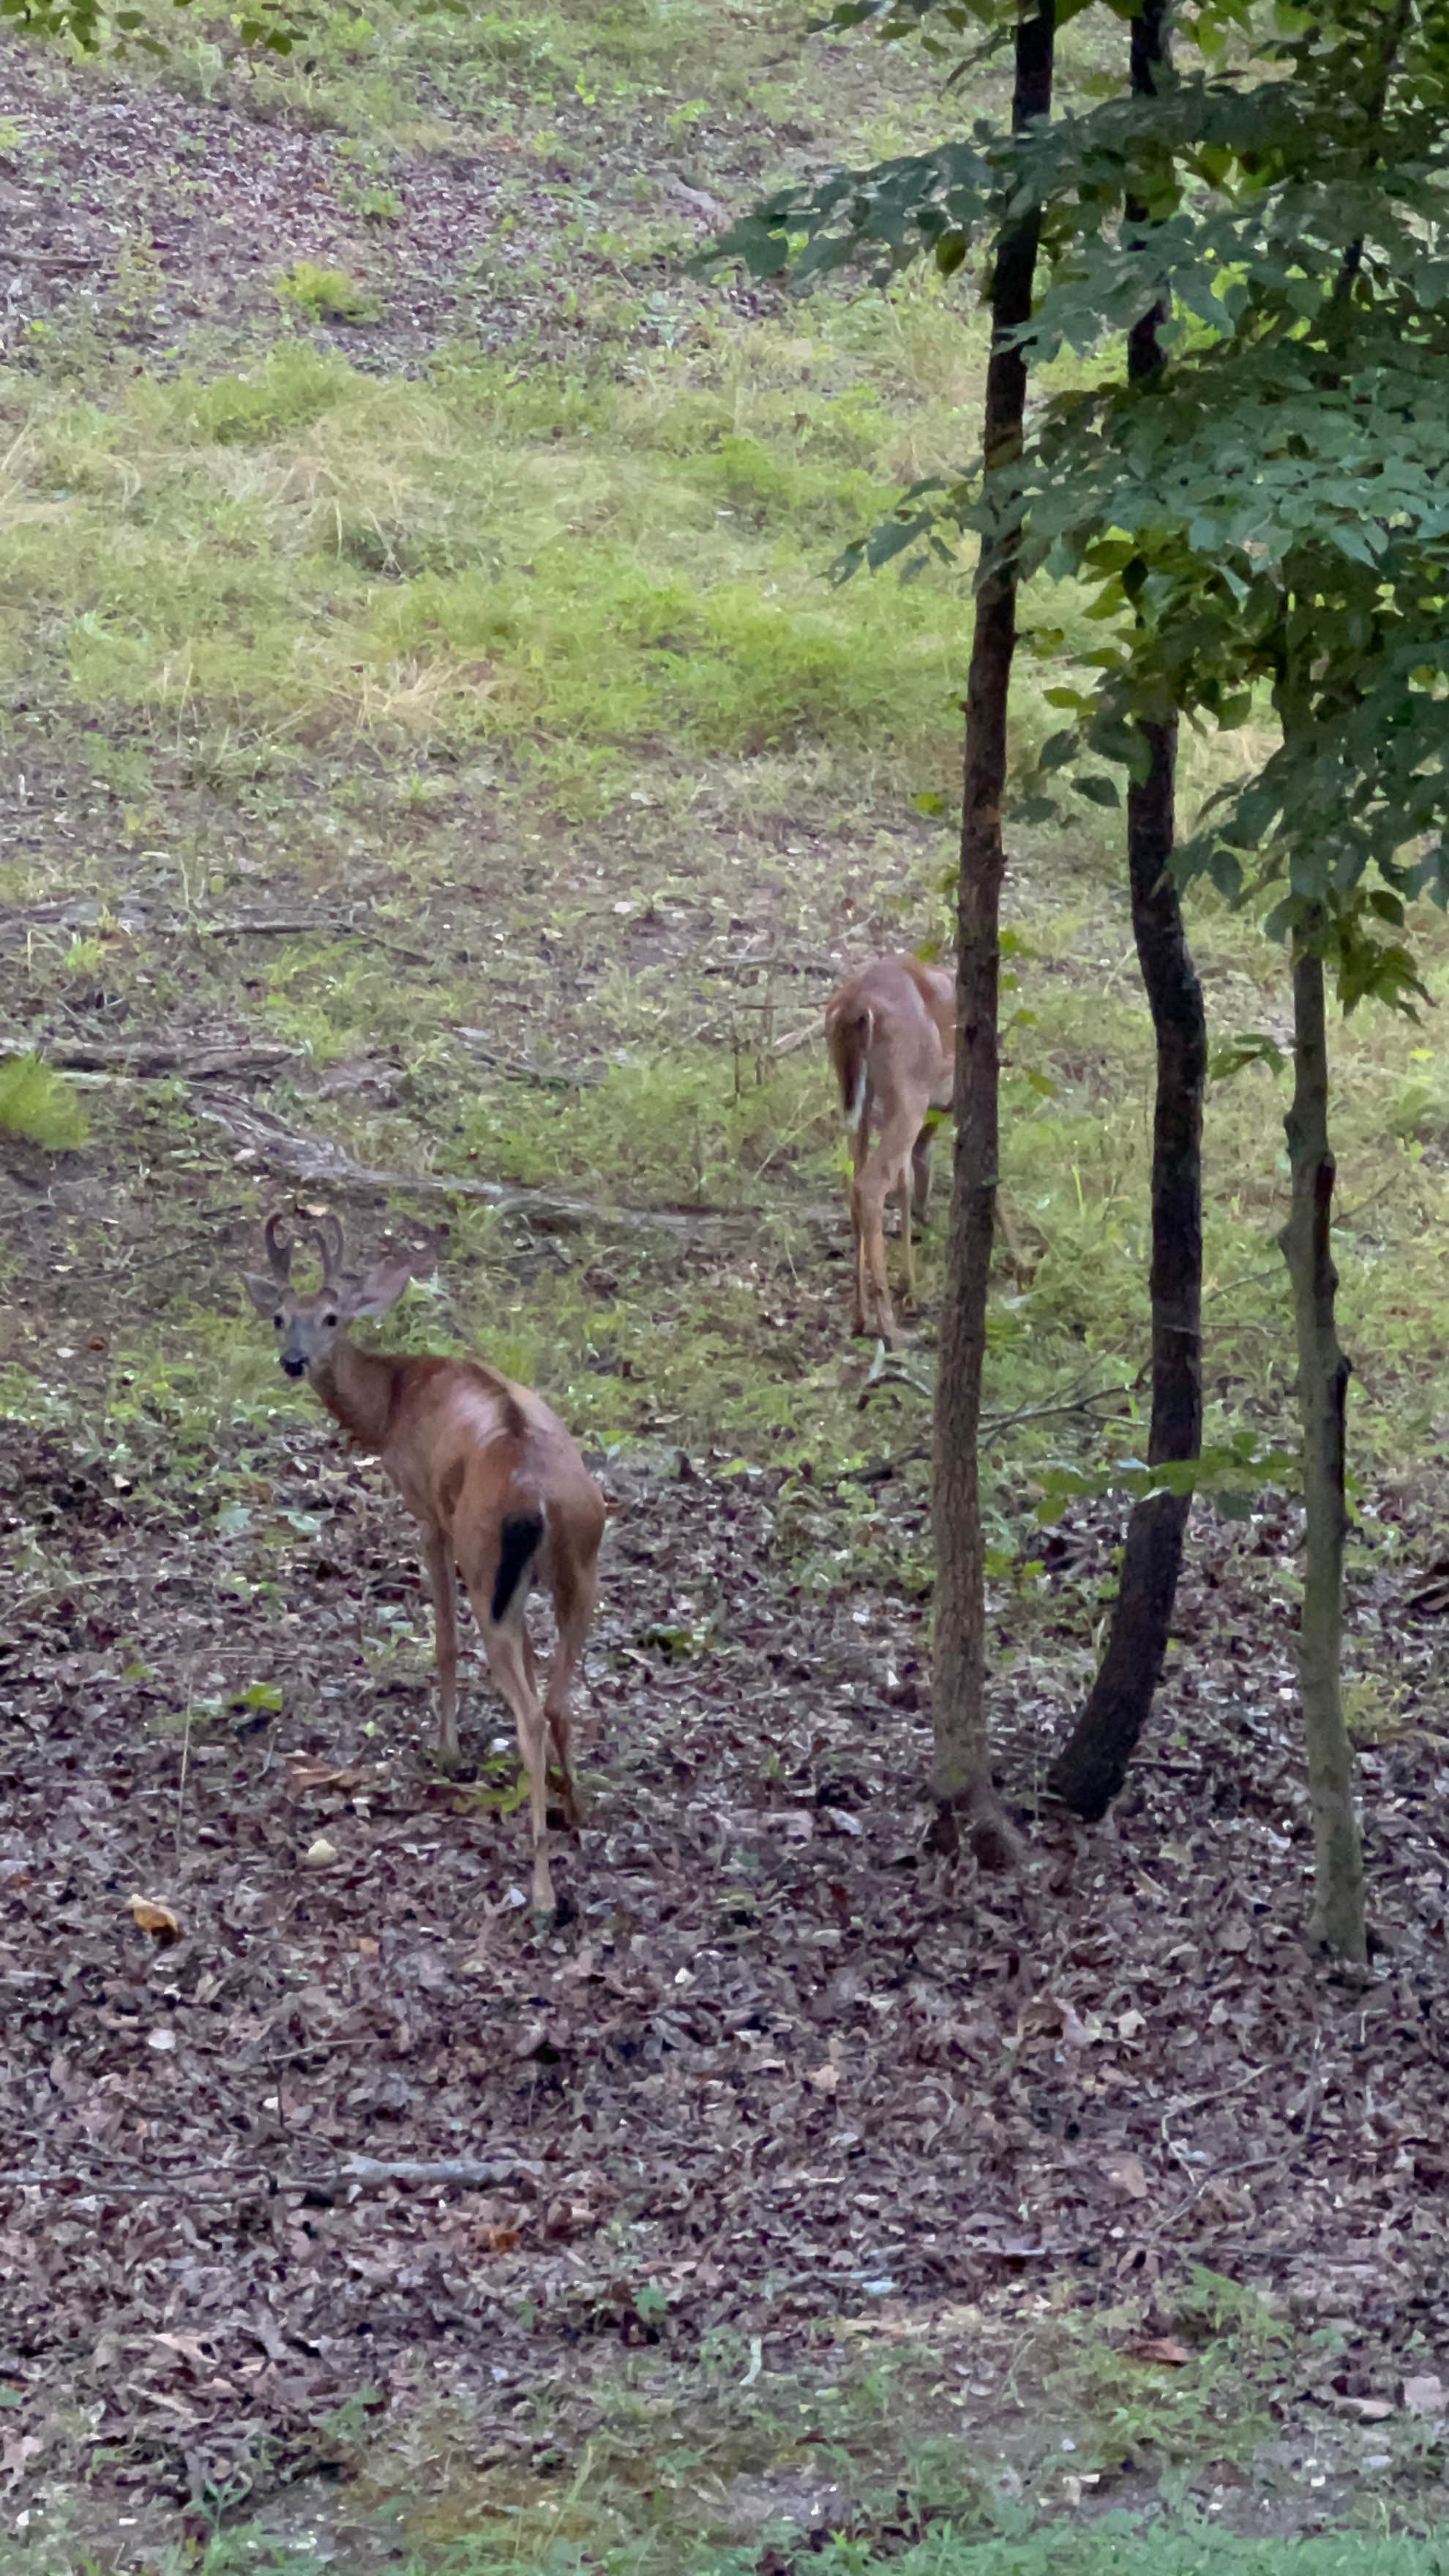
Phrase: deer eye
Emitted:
{"points": [[329, 1321], [279, 1321]]}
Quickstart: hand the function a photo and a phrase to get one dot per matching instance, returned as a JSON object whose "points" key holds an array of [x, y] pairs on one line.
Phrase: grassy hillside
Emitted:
{"points": [[373, 683]]}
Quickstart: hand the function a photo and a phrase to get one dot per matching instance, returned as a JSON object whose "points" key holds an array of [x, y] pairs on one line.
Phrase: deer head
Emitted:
{"points": [[309, 1323]]}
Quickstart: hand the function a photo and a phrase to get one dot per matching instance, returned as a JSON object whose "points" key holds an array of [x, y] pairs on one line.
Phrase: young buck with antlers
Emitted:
{"points": [[891, 1032], [492, 1475]]}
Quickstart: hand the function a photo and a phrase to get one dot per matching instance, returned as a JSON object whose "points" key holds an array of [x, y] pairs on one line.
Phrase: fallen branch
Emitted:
{"points": [[354, 2173], [301, 926], [471, 2173], [314, 1160], [51, 263], [276, 925], [200, 1064]]}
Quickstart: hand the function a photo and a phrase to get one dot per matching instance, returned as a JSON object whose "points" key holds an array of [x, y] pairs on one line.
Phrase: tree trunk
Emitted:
{"points": [[961, 1780], [1092, 1764], [1337, 1921]]}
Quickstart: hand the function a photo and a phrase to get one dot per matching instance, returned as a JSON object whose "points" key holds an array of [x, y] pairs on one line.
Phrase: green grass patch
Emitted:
{"points": [[326, 294], [39, 1105], [309, 553], [1119, 2547], [666, 1130]]}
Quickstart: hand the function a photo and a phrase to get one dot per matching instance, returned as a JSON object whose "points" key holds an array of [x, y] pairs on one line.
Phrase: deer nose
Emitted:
{"points": [[293, 1363]]}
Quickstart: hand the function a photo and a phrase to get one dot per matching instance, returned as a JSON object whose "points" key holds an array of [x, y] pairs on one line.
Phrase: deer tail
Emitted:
{"points": [[521, 1538], [849, 1043]]}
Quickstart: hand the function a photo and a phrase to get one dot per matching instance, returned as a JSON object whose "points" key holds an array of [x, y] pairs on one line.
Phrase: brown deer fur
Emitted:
{"points": [[891, 1032], [495, 1481]]}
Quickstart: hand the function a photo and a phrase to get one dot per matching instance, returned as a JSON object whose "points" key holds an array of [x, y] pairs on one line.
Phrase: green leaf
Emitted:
{"points": [[1252, 1048], [264, 1695]]}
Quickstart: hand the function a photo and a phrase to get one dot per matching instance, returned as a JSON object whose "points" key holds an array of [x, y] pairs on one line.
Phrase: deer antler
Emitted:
{"points": [[331, 1242], [279, 1247]]}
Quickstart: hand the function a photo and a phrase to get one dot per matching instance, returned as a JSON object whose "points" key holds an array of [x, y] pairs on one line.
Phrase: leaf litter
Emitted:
{"points": [[773, 2066]]}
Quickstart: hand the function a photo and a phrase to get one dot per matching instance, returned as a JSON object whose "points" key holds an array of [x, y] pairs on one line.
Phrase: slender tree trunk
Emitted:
{"points": [[1338, 1910], [1337, 1921], [961, 1773], [1092, 1764]]}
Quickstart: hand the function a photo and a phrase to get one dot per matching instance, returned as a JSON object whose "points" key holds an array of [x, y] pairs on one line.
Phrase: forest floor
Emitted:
{"points": [[438, 779]]}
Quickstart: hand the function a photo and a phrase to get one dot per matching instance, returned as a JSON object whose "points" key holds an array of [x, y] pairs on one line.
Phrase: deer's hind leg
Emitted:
{"points": [[907, 1204], [438, 1564], [887, 1173], [921, 1172], [860, 1155], [575, 1592], [505, 1643]]}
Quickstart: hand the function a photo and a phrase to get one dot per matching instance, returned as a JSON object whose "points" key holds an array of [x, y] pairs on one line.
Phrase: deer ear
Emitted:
{"points": [[380, 1289], [262, 1292]]}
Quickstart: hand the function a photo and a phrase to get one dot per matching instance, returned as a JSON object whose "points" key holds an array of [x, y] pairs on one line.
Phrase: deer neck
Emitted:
{"points": [[359, 1389]]}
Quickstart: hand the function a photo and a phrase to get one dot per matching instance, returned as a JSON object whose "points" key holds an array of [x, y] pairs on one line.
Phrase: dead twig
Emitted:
{"points": [[1220, 2173], [798, 1038], [516, 1069], [888, 1370], [993, 1424]]}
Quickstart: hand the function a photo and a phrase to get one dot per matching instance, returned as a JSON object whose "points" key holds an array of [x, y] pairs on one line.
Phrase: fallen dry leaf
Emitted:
{"points": [[1161, 2349], [305, 1775], [1128, 2174], [150, 1916], [1424, 2396]]}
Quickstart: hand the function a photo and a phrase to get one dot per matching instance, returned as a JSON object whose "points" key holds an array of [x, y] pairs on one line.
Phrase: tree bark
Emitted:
{"points": [[1092, 1765], [961, 1780], [1337, 1921]]}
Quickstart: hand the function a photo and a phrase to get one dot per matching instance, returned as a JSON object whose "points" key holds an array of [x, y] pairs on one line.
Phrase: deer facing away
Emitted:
{"points": [[493, 1477], [891, 1032]]}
